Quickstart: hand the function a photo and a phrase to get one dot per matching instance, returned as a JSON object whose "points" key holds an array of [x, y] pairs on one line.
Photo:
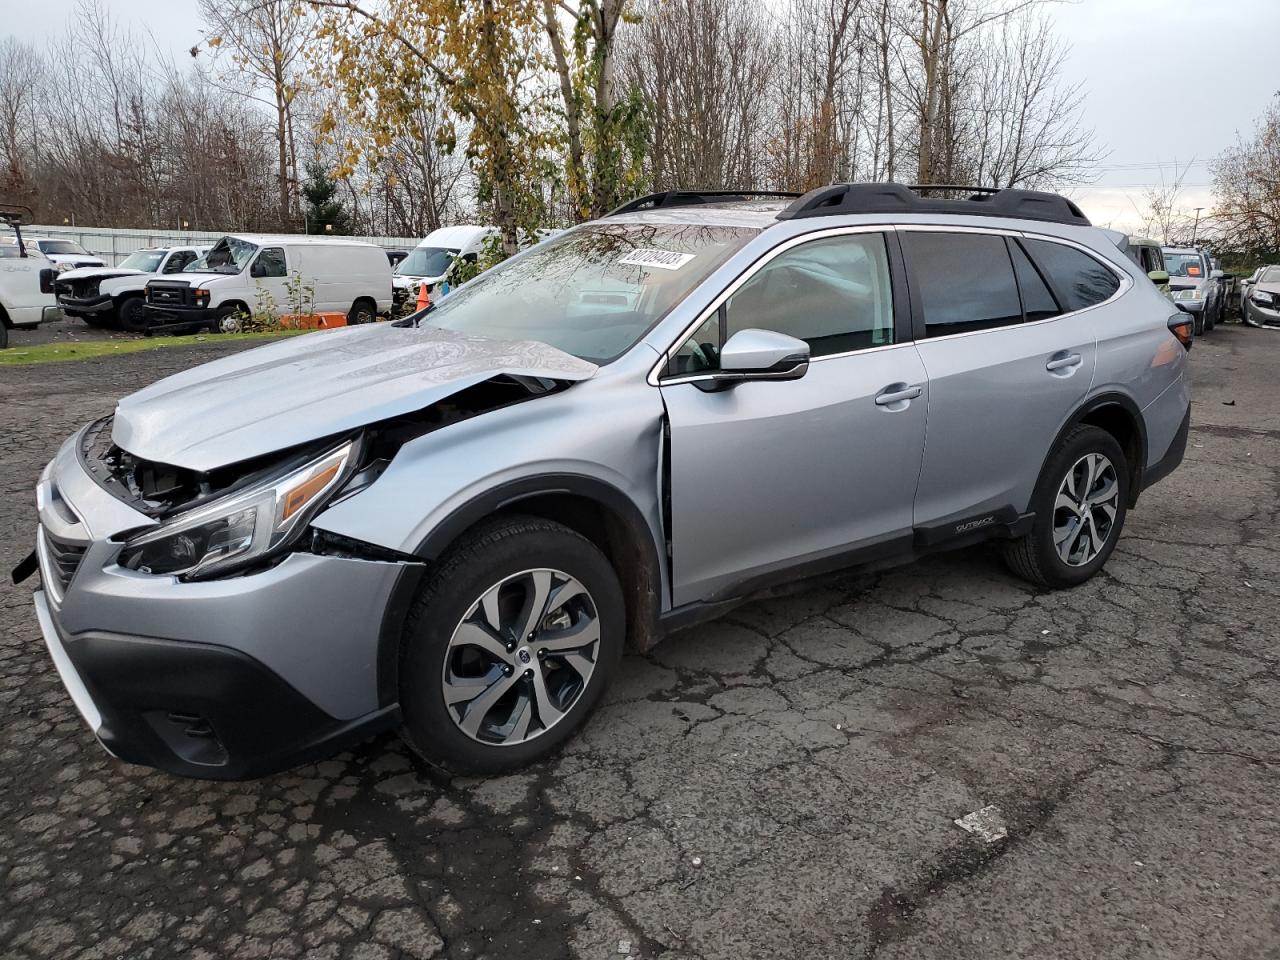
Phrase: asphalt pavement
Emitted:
{"points": [[783, 783]]}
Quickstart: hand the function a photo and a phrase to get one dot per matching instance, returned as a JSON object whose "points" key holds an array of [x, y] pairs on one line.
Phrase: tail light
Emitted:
{"points": [[46, 280], [1180, 325]]}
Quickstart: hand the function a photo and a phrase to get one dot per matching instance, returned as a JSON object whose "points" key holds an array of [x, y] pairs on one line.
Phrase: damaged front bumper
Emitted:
{"points": [[220, 679]]}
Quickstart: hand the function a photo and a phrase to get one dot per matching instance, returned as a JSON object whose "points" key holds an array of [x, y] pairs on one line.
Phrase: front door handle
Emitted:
{"points": [[1063, 362], [897, 393]]}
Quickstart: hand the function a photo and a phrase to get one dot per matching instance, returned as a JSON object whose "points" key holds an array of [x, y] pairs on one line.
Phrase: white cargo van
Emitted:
{"points": [[430, 260], [247, 274]]}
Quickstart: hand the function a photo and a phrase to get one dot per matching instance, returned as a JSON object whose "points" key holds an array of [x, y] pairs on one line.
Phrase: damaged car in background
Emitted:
{"points": [[453, 523], [115, 297]]}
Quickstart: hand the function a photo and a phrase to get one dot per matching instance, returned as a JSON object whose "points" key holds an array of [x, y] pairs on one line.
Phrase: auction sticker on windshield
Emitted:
{"points": [[662, 259]]}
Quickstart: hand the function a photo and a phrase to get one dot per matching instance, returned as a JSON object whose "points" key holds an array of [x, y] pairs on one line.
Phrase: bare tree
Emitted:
{"points": [[265, 40], [1162, 214], [1246, 186], [19, 86], [704, 66], [1024, 125]]}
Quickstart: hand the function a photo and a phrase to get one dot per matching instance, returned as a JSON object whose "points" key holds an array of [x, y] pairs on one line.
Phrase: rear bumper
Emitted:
{"points": [[1172, 457], [194, 709]]}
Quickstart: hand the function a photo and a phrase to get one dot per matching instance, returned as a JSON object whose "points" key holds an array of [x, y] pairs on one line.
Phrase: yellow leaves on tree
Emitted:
{"points": [[482, 58]]}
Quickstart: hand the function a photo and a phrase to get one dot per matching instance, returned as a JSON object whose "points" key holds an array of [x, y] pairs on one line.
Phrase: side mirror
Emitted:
{"points": [[257, 270], [1159, 277], [1217, 275], [471, 258], [762, 355]]}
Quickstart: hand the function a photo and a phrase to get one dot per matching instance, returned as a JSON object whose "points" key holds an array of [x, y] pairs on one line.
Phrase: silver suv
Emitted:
{"points": [[453, 524]]}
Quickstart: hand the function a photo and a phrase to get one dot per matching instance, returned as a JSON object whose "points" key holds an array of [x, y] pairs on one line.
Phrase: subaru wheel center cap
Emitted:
{"points": [[524, 655]]}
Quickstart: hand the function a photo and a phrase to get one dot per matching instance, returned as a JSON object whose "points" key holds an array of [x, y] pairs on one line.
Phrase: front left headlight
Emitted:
{"points": [[1264, 297], [243, 527], [1191, 294]]}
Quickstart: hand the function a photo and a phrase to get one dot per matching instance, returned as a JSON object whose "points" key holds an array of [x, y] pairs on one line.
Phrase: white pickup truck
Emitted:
{"points": [[114, 296], [26, 279]]}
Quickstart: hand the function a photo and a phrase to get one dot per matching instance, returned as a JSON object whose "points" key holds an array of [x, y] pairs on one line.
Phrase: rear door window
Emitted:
{"points": [[965, 281], [1078, 279], [1037, 300]]}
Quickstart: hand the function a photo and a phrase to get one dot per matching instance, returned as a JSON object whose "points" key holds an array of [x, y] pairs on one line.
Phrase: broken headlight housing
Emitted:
{"points": [[243, 527]]}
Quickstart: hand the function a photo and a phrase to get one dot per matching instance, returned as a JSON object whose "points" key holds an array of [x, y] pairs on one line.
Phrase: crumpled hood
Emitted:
{"points": [[317, 385], [99, 273]]}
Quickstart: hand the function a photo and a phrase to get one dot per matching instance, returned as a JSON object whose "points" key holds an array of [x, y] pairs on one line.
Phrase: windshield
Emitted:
{"points": [[148, 261], [229, 255], [1270, 275], [593, 291], [1184, 265], [426, 262], [63, 247]]}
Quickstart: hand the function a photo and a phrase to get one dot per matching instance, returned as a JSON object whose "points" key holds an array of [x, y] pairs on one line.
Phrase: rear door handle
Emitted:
{"points": [[1061, 363], [897, 394]]}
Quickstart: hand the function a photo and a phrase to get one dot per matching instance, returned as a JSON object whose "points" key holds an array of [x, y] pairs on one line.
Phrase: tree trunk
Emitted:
{"points": [[577, 173]]}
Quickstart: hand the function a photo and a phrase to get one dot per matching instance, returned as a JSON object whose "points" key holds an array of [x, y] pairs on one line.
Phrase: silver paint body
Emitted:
{"points": [[764, 475]]}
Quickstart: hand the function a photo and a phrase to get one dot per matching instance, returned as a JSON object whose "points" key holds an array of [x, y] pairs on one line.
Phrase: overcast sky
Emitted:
{"points": [[1167, 82]]}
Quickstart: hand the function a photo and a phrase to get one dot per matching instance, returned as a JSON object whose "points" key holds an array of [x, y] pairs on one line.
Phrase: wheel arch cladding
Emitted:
{"points": [[1119, 416], [592, 508]]}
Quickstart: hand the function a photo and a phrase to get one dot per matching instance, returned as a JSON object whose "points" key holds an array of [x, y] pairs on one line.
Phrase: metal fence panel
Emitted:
{"points": [[114, 245]]}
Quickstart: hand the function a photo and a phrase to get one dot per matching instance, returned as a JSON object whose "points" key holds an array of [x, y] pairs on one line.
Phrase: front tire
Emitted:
{"points": [[133, 315], [1080, 503], [228, 319], [509, 646]]}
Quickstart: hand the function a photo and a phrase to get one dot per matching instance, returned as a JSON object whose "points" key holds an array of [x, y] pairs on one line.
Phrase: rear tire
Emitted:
{"points": [[362, 311], [133, 315], [1080, 503], [485, 633]]}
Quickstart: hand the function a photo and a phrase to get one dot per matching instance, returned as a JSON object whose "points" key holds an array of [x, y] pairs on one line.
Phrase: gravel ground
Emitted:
{"points": [[782, 783]]}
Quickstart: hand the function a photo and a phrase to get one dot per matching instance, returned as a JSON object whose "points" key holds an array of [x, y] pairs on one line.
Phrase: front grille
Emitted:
{"points": [[64, 558], [168, 294]]}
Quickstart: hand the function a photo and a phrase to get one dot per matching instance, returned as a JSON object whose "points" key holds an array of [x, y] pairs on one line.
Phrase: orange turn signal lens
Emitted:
{"points": [[303, 493]]}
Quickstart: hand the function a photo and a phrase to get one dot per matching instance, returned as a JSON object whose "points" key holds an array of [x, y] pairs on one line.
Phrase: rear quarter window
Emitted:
{"points": [[1078, 279]]}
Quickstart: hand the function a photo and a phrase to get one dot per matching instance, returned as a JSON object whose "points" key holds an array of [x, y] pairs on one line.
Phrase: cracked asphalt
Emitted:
{"points": [[781, 783]]}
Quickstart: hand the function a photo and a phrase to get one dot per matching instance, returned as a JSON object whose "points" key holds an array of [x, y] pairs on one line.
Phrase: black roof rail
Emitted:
{"points": [[692, 198], [846, 198]]}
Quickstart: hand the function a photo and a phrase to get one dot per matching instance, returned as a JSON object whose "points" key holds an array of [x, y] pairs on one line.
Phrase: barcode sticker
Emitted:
{"points": [[662, 259]]}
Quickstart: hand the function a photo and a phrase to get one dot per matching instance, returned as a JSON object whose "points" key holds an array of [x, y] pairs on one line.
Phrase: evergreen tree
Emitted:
{"points": [[323, 209]]}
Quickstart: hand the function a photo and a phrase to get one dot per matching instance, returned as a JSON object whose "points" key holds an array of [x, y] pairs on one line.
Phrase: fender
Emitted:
{"points": [[1111, 398], [473, 511]]}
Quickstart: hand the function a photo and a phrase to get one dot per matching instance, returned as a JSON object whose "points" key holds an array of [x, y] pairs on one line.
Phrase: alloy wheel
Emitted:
{"points": [[521, 657], [1084, 512]]}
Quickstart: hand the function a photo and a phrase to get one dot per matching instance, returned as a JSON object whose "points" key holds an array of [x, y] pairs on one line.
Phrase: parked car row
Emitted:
{"points": [[215, 288], [1189, 276]]}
